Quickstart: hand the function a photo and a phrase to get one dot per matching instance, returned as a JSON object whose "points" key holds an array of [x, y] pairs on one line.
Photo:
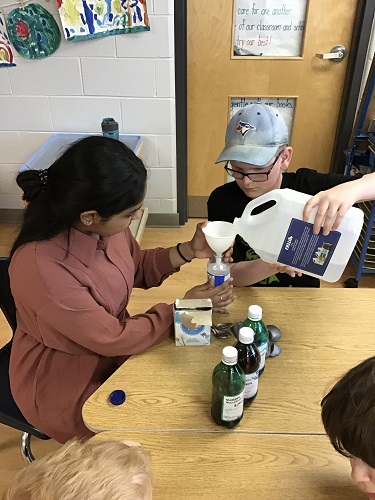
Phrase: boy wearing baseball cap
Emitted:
{"points": [[257, 155]]}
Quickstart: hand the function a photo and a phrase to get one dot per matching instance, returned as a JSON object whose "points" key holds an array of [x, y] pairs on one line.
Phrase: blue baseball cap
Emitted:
{"points": [[254, 134]]}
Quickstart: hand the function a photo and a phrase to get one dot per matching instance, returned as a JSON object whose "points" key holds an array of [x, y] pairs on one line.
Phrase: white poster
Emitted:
{"points": [[269, 27], [285, 105]]}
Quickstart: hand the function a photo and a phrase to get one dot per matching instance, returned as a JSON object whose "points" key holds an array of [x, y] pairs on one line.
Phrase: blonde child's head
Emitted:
{"points": [[92, 470]]}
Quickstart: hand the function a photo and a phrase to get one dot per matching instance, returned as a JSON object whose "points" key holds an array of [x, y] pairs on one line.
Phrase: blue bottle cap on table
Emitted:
{"points": [[117, 397]]}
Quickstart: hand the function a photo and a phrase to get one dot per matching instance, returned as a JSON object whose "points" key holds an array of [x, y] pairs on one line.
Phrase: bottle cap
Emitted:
{"points": [[255, 313], [246, 335], [109, 125], [230, 355], [117, 397]]}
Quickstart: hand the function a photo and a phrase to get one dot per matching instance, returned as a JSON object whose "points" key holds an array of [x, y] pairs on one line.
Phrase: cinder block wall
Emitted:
{"points": [[129, 77]]}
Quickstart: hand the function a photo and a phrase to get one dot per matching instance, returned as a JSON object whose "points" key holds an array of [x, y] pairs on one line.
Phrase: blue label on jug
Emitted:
{"points": [[307, 251]]}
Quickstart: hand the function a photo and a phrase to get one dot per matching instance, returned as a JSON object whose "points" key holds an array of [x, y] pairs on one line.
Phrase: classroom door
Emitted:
{"points": [[214, 77]]}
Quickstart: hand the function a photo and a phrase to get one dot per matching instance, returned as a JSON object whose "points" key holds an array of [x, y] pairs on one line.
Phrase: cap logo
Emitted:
{"points": [[244, 127]]}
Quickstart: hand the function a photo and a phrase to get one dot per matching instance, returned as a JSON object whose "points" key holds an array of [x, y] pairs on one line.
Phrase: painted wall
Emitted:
{"points": [[129, 77]]}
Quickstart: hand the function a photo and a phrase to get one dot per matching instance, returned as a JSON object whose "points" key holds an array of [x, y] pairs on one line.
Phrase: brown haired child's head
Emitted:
{"points": [[348, 414]]}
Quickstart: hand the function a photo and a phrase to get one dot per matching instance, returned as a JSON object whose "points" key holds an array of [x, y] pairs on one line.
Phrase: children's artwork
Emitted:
{"points": [[82, 19], [6, 53], [33, 31]]}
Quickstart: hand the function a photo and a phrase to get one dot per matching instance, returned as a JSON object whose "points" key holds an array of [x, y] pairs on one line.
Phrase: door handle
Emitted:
{"points": [[337, 54]]}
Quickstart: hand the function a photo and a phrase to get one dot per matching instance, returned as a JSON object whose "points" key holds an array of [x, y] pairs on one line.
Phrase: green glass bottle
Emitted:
{"points": [[261, 335], [249, 361], [228, 385]]}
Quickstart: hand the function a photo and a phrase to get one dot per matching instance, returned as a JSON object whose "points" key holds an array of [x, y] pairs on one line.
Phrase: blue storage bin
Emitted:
{"points": [[57, 143]]}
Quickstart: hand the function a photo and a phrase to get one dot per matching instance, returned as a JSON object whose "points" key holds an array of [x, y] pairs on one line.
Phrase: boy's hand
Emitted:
{"points": [[227, 257], [281, 268], [332, 206]]}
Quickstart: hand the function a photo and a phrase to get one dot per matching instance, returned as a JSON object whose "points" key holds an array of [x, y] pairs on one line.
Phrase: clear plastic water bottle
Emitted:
{"points": [[228, 384], [261, 335], [110, 128], [218, 270]]}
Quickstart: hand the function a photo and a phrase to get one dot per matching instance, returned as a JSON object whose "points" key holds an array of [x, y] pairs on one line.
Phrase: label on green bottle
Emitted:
{"points": [[262, 351], [251, 385], [232, 407]]}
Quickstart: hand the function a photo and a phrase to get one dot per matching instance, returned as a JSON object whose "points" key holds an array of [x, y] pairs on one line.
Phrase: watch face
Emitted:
{"points": [[33, 31]]}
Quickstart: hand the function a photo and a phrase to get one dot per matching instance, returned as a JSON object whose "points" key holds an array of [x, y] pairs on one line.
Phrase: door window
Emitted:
{"points": [[268, 28]]}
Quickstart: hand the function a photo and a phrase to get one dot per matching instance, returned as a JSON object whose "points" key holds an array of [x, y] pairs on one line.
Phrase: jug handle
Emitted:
{"points": [[240, 222], [257, 202]]}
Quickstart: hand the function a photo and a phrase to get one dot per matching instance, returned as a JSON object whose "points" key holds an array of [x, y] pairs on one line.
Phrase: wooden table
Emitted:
{"points": [[325, 332], [243, 466]]}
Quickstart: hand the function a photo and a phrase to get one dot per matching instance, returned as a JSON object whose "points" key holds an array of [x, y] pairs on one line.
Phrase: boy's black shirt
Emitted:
{"points": [[229, 201]]}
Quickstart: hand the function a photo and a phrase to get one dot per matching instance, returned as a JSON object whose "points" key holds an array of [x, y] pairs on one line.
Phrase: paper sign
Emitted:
{"points": [[268, 27], [285, 105]]}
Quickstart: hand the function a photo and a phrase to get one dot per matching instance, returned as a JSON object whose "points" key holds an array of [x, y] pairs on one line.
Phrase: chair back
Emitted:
{"points": [[7, 304], [10, 414]]}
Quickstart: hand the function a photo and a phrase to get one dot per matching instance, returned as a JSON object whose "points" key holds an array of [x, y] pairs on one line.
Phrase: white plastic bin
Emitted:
{"points": [[57, 143]]}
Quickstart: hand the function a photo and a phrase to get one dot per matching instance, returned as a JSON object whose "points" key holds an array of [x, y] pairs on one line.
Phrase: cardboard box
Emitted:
{"points": [[192, 321]]}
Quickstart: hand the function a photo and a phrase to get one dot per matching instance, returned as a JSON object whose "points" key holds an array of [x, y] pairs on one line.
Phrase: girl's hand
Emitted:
{"points": [[221, 296], [199, 245], [200, 248]]}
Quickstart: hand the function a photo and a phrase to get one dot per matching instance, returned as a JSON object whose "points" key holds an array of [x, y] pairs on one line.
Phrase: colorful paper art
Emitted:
{"points": [[6, 53], [33, 31], [83, 19]]}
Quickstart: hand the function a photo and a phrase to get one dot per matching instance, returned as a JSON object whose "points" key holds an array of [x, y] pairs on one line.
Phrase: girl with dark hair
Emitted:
{"points": [[73, 267]]}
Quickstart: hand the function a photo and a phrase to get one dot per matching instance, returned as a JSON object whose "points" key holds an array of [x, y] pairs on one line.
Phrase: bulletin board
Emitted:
{"points": [[273, 28]]}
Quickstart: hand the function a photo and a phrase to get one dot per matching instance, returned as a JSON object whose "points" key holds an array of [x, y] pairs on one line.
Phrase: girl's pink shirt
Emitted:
{"points": [[73, 329]]}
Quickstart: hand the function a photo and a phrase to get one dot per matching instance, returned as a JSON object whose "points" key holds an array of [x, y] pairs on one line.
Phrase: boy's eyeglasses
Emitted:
{"points": [[253, 176]]}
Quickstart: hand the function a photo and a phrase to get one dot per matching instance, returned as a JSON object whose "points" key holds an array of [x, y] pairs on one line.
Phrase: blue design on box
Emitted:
{"points": [[302, 249], [187, 330]]}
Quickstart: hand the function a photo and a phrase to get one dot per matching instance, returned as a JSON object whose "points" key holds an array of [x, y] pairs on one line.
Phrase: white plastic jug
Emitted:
{"points": [[277, 233]]}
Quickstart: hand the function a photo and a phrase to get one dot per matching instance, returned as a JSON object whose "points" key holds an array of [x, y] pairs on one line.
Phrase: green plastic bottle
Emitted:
{"points": [[249, 361], [228, 385], [261, 335]]}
